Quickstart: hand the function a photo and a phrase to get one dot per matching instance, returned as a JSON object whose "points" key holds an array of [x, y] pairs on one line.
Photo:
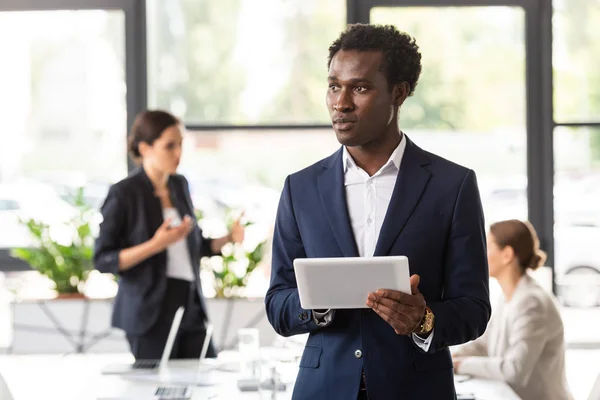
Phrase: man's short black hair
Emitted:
{"points": [[400, 50]]}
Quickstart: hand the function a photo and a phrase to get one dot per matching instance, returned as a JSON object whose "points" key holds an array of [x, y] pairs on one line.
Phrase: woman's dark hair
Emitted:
{"points": [[147, 127], [523, 239]]}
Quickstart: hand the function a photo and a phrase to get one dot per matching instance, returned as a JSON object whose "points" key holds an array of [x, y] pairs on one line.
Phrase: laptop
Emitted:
{"points": [[149, 366], [179, 385], [175, 381]]}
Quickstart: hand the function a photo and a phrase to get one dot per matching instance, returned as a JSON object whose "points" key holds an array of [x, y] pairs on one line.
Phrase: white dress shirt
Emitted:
{"points": [[179, 265], [368, 198]]}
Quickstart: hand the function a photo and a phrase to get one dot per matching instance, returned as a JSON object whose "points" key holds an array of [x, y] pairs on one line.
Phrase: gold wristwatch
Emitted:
{"points": [[426, 324]]}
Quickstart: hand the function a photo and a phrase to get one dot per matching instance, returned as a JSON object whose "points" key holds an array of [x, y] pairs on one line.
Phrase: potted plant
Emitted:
{"points": [[232, 269], [62, 252], [230, 309]]}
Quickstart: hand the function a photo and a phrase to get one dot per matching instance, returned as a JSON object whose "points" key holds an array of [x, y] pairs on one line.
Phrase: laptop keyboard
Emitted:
{"points": [[145, 364], [172, 392]]}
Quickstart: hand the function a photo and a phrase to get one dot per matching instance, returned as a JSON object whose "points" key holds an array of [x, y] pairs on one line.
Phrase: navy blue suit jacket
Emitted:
{"points": [[434, 218], [131, 215]]}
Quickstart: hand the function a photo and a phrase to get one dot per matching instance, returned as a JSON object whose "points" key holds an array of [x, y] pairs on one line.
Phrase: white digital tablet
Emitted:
{"points": [[325, 283]]}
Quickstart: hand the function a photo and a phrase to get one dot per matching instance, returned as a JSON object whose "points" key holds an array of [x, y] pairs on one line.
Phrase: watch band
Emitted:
{"points": [[426, 324]]}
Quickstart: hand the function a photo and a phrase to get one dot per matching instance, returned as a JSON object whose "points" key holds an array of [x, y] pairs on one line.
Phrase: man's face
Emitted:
{"points": [[361, 105]]}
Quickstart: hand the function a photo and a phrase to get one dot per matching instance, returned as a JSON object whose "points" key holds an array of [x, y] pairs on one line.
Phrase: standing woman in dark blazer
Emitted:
{"points": [[150, 238]]}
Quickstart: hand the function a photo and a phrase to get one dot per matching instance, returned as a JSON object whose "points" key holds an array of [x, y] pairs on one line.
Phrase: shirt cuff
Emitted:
{"points": [[423, 343], [323, 319]]}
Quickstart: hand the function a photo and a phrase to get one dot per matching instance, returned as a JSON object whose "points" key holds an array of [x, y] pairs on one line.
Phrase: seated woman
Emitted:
{"points": [[524, 342]]}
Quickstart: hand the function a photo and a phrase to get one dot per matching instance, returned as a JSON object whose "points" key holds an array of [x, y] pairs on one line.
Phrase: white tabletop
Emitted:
{"points": [[78, 377], [117, 387]]}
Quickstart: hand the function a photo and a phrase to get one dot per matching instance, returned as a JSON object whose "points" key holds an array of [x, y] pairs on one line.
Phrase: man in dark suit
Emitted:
{"points": [[381, 195]]}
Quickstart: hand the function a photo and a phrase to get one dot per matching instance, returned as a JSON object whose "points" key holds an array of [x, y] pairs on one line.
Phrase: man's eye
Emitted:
{"points": [[360, 89]]}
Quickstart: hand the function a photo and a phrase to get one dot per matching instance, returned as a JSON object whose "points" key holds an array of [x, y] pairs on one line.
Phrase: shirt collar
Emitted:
{"points": [[395, 157]]}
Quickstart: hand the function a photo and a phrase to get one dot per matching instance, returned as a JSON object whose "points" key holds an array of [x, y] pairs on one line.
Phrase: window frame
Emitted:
{"points": [[135, 64], [538, 91]]}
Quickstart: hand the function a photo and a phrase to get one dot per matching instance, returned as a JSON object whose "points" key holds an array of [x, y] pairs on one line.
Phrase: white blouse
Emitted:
{"points": [[179, 264]]}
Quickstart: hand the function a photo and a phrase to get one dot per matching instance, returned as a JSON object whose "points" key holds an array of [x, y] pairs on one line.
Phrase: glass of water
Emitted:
{"points": [[249, 350]]}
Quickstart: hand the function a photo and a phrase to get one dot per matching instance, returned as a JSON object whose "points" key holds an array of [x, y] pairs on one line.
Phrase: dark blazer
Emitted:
{"points": [[436, 219], [132, 214]]}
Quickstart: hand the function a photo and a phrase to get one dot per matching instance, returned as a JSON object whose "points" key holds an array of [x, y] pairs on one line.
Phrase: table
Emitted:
{"points": [[77, 376], [114, 386]]}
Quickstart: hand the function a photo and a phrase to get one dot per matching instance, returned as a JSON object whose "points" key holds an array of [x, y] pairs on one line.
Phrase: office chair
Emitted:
{"points": [[595, 393], [4, 391]]}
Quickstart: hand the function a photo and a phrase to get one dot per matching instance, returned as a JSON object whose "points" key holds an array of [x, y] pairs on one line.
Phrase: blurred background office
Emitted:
{"points": [[510, 88]]}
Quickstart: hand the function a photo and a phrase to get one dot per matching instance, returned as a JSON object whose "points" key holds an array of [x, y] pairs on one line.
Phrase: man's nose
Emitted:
{"points": [[343, 102]]}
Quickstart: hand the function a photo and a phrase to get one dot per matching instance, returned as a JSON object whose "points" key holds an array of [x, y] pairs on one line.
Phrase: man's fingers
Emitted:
{"points": [[395, 312], [409, 299], [402, 313], [398, 325], [414, 283], [391, 294], [389, 303]]}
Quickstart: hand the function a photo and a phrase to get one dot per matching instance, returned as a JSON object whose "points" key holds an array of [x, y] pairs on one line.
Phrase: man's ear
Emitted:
{"points": [[400, 93]]}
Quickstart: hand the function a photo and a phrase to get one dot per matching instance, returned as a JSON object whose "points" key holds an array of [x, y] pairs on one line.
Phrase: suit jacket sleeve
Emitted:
{"points": [[464, 310], [107, 245], [282, 300]]}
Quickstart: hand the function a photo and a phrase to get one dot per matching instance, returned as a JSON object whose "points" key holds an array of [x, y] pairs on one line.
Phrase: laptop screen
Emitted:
{"points": [[171, 338]]}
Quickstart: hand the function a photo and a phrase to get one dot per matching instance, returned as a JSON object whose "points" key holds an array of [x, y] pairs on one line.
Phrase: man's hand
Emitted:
{"points": [[402, 311]]}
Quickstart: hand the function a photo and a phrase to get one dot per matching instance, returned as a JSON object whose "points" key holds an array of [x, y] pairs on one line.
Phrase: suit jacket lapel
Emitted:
{"points": [[410, 184], [333, 196], [153, 208]]}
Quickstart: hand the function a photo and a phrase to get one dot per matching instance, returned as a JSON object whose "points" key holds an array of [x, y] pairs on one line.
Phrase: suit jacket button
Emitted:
{"points": [[303, 316], [358, 353]]}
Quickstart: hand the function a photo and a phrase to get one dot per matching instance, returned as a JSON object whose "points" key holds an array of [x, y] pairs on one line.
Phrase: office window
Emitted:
{"points": [[241, 62], [577, 226], [63, 112], [469, 104], [246, 169], [239, 170], [576, 60]]}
